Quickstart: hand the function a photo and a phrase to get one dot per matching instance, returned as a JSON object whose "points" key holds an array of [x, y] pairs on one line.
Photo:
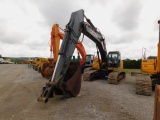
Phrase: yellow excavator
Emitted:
{"points": [[35, 62], [150, 76], [150, 79], [39, 66], [113, 57], [38, 63], [66, 78], [113, 74]]}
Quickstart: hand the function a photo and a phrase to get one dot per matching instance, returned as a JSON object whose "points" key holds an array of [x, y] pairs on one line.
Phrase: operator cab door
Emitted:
{"points": [[114, 59]]}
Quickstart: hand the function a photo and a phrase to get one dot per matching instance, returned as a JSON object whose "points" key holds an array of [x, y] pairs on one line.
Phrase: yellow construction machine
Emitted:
{"points": [[34, 63], [37, 63], [113, 66], [39, 66], [150, 76], [30, 62], [114, 61]]}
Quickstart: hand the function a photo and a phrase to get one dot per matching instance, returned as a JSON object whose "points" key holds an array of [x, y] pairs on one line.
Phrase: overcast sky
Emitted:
{"points": [[128, 25]]}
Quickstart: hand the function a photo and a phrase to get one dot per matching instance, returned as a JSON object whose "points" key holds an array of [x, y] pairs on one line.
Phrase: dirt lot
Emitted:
{"points": [[98, 100]]}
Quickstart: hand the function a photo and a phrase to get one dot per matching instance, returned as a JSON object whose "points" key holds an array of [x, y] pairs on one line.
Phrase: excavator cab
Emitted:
{"points": [[113, 61], [114, 58]]}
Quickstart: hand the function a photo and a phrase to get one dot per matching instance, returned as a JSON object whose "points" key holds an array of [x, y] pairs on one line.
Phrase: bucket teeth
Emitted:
{"points": [[47, 92]]}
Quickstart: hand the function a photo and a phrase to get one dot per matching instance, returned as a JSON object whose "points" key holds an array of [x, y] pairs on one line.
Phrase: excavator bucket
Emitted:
{"points": [[71, 82], [157, 103], [69, 87], [73, 79], [44, 66], [47, 69]]}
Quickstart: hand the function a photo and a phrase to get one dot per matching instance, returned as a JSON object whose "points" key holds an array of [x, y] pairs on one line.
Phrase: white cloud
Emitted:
{"points": [[127, 25]]}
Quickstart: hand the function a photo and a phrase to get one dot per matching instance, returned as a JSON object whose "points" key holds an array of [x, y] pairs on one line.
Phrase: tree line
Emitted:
{"points": [[131, 64], [127, 63]]}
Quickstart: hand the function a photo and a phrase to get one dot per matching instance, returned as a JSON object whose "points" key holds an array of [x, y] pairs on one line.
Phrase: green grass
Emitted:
{"points": [[128, 71]]}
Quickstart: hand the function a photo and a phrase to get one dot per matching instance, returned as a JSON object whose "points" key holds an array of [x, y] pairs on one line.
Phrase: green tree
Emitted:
{"points": [[132, 64]]}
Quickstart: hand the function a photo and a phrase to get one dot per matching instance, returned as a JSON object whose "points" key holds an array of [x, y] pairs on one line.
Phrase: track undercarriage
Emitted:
{"points": [[113, 77], [143, 84]]}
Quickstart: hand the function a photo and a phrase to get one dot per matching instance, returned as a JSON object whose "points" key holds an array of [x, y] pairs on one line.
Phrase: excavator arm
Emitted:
{"points": [[74, 28]]}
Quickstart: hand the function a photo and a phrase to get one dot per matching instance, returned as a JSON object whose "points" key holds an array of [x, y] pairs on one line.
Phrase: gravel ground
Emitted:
{"points": [[98, 100]]}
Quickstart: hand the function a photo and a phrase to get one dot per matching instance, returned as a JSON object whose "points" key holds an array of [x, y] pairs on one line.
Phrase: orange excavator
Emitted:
{"points": [[66, 78], [56, 36]]}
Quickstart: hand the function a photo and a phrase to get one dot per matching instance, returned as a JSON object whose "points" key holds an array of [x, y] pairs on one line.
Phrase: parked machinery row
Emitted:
{"points": [[65, 76]]}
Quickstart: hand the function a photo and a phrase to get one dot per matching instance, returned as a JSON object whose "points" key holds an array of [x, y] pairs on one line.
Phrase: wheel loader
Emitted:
{"points": [[66, 78]]}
